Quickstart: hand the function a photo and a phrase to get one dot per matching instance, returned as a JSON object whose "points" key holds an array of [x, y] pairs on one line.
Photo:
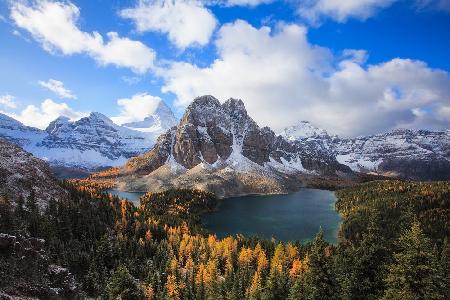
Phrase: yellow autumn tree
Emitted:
{"points": [[172, 287], [279, 259], [255, 289]]}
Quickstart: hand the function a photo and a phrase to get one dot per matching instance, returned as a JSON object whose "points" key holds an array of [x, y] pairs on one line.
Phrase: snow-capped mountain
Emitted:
{"points": [[160, 121], [219, 147], [411, 154], [304, 130], [89, 143]]}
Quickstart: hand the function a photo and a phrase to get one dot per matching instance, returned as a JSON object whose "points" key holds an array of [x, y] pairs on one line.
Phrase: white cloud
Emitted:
{"points": [[54, 25], [443, 5], [58, 88], [341, 10], [283, 79], [136, 108], [48, 111], [186, 22], [247, 2], [131, 80], [226, 3], [8, 101]]}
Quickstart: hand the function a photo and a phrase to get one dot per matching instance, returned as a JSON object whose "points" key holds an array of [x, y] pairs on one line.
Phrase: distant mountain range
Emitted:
{"points": [[220, 148], [89, 143], [220, 143], [408, 154]]}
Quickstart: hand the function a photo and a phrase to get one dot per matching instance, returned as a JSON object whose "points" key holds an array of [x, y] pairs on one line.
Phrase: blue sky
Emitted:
{"points": [[335, 63]]}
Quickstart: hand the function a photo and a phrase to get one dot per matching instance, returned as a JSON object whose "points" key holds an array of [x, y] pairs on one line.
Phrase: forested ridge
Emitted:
{"points": [[393, 244]]}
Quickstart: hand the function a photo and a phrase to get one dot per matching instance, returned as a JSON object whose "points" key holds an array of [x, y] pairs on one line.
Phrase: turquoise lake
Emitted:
{"points": [[296, 216], [132, 196]]}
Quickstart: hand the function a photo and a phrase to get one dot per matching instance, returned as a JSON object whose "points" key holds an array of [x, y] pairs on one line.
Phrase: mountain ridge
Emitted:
{"points": [[220, 148], [404, 153], [89, 143], [216, 134]]}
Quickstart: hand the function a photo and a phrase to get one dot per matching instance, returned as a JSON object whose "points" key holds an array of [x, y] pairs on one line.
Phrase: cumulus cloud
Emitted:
{"points": [[54, 25], [41, 116], [186, 22], [284, 79], [136, 108], [8, 101], [58, 88]]}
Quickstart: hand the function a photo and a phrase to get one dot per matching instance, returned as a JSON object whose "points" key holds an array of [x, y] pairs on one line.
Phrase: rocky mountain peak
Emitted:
{"points": [[234, 105], [158, 122], [303, 130], [8, 121], [162, 108], [96, 117], [219, 135], [203, 110], [58, 123]]}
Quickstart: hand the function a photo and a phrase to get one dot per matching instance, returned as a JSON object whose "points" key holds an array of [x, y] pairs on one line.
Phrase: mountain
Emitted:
{"points": [[408, 154], [90, 143], [22, 174], [220, 148], [160, 121], [304, 130]]}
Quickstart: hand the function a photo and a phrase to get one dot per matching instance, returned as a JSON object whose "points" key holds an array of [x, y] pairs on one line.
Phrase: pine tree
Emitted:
{"points": [[297, 290], [445, 267], [6, 215], [362, 266], [414, 273], [123, 286], [19, 212], [32, 214], [278, 281], [320, 280]]}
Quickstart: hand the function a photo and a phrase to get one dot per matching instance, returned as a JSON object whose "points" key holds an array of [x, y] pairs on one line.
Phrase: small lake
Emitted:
{"points": [[296, 216], [132, 196]]}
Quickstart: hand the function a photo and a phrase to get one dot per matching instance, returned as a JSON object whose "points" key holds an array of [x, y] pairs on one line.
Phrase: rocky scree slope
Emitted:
{"points": [[26, 271], [407, 154], [220, 148], [22, 174]]}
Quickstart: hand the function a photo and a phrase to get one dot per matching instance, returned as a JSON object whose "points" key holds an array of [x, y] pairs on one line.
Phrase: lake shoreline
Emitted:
{"points": [[300, 219]]}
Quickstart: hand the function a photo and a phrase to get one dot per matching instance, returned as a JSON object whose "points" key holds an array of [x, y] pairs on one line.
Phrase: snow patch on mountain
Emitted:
{"points": [[91, 142], [400, 151], [158, 122]]}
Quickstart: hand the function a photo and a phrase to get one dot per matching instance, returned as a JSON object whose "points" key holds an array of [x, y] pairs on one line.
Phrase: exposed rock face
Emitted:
{"points": [[219, 134], [216, 146], [25, 271], [409, 154], [21, 173], [152, 160]]}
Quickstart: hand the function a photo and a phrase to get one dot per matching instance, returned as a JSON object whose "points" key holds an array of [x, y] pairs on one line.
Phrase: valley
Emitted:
{"points": [[225, 150], [217, 207]]}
